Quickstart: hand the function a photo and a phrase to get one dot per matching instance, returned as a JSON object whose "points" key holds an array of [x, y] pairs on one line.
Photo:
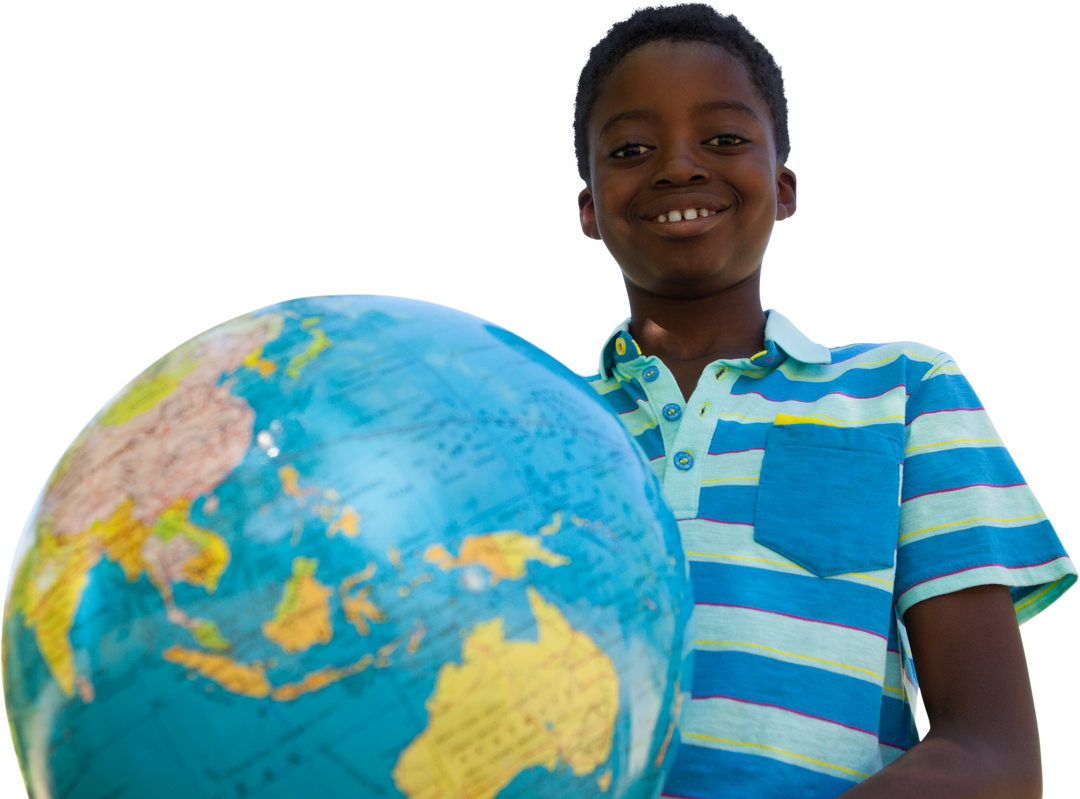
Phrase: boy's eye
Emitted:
{"points": [[631, 145], [726, 140], [630, 151]]}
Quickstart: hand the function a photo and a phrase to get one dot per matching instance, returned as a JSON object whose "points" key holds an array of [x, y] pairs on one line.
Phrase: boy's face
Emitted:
{"points": [[679, 126]]}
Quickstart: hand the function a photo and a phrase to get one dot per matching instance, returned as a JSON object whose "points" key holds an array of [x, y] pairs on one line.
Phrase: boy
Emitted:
{"points": [[849, 515]]}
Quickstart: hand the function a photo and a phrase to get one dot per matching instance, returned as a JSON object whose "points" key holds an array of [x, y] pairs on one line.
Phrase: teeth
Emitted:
{"points": [[689, 213]]}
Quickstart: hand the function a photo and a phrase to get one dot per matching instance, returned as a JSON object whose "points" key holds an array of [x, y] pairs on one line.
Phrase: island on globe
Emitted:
{"points": [[349, 546]]}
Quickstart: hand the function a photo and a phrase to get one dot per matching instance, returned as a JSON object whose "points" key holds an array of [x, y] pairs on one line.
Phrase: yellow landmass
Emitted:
{"points": [[603, 782], [359, 610], [554, 525], [205, 568], [250, 679], [209, 636], [123, 538], [318, 680], [237, 678], [360, 577], [345, 518], [505, 554], [415, 638], [348, 524], [290, 485], [46, 591], [510, 706], [302, 617], [254, 361], [316, 347]]}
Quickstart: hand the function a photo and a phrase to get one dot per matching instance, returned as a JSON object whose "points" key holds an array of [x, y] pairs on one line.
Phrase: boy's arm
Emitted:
{"points": [[983, 739]]}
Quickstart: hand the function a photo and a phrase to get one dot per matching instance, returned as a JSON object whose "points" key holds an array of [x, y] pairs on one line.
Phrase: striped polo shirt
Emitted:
{"points": [[821, 493]]}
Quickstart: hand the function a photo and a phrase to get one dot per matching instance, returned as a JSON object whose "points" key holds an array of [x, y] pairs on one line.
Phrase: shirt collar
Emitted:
{"points": [[782, 340]]}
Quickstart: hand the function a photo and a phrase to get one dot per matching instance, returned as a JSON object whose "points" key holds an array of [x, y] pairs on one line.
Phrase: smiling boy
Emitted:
{"points": [[850, 515]]}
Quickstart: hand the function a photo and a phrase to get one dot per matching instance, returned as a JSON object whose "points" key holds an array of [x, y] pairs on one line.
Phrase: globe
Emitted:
{"points": [[349, 546]]}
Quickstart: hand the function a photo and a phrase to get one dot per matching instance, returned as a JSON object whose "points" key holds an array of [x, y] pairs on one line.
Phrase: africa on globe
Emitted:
{"points": [[349, 546]]}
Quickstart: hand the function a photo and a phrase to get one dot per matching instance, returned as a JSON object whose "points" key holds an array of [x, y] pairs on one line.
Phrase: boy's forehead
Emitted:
{"points": [[635, 80], [672, 47], [664, 50]]}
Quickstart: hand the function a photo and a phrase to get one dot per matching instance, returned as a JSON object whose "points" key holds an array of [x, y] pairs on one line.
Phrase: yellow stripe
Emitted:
{"points": [[729, 479], [647, 427], [975, 518], [893, 690], [1039, 595], [956, 441], [793, 655], [783, 419], [606, 390], [775, 749]]}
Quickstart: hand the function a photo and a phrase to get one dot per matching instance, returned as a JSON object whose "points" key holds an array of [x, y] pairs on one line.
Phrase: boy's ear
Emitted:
{"points": [[588, 214], [787, 193]]}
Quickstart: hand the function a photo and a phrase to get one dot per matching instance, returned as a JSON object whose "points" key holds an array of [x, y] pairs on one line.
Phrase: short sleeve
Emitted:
{"points": [[967, 517]]}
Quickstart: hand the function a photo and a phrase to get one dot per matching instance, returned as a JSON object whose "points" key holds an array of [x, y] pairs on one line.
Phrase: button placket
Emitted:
{"points": [[688, 451], [661, 390]]}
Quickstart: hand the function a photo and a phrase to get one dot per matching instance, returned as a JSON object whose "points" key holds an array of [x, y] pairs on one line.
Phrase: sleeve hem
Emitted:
{"points": [[1053, 579]]}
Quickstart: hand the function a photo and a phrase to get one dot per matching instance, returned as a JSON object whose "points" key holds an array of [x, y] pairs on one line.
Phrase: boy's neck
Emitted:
{"points": [[694, 332]]}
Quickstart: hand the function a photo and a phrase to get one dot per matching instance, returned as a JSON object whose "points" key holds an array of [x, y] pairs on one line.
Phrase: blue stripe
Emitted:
{"points": [[619, 401], [858, 383], [728, 503], [736, 436], [973, 547], [959, 467], [896, 723], [804, 689], [704, 773], [651, 441], [846, 353], [835, 601], [942, 392]]}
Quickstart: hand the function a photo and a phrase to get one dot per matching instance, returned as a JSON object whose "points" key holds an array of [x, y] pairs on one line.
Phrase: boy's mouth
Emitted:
{"points": [[685, 227], [680, 215]]}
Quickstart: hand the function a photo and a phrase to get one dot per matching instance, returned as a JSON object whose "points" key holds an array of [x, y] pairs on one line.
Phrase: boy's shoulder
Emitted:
{"points": [[865, 354]]}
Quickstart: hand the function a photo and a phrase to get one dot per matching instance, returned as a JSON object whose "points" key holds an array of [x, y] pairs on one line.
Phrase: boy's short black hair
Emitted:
{"points": [[692, 22]]}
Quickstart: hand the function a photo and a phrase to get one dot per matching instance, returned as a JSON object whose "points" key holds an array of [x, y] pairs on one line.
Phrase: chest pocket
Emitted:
{"points": [[829, 498]]}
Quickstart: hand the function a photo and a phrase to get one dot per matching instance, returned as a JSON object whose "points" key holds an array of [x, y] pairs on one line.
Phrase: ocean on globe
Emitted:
{"points": [[349, 546]]}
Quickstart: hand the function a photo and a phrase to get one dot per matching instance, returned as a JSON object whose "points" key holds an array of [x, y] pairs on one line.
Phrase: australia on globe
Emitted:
{"points": [[349, 546]]}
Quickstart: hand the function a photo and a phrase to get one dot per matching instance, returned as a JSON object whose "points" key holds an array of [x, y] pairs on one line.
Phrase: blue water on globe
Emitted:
{"points": [[349, 546]]}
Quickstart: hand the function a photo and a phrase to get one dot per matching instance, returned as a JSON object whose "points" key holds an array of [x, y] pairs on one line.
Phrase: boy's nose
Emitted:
{"points": [[680, 169]]}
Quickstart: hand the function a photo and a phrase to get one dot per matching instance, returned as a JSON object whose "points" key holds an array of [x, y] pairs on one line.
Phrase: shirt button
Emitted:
{"points": [[721, 372], [650, 374], [684, 461], [671, 411]]}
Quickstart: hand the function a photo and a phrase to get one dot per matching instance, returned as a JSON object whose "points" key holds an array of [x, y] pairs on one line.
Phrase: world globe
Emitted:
{"points": [[349, 546]]}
